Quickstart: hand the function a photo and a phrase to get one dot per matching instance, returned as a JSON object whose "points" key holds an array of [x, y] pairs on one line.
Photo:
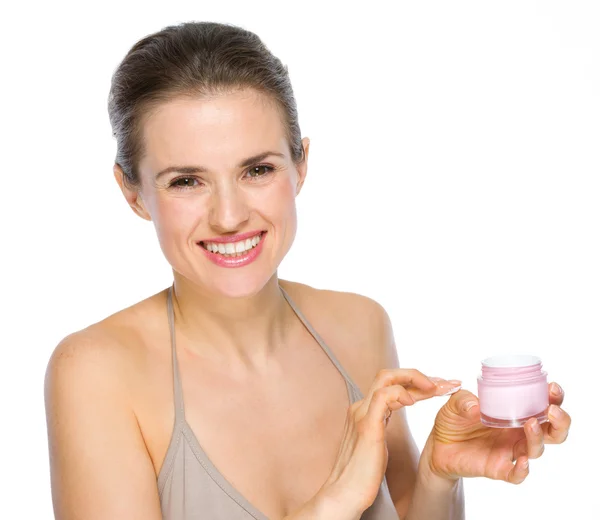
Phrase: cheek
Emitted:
{"points": [[280, 201], [176, 218], [282, 204]]}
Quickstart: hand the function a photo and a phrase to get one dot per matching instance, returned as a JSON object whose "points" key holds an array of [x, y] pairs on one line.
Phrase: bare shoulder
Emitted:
{"points": [[344, 303], [355, 326], [99, 464], [110, 344], [101, 361], [93, 347], [92, 356]]}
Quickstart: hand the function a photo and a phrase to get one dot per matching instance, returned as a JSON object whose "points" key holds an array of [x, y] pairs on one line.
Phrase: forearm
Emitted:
{"points": [[435, 498]]}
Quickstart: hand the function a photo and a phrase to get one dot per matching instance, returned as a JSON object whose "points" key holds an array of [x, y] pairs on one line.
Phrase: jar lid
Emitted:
{"points": [[511, 360]]}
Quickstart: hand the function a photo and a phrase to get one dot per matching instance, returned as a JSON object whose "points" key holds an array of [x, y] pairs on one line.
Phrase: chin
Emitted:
{"points": [[238, 286]]}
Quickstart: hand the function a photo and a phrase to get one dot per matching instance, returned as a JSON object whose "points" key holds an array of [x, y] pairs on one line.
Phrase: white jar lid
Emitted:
{"points": [[511, 360]]}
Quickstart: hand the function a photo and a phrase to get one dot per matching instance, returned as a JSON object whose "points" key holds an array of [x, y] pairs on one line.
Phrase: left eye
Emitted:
{"points": [[252, 171]]}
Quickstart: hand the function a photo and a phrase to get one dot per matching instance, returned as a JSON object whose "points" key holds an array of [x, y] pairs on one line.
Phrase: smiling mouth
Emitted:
{"points": [[233, 249]]}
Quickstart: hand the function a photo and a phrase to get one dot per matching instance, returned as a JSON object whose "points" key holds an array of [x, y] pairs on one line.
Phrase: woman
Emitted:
{"points": [[234, 394]]}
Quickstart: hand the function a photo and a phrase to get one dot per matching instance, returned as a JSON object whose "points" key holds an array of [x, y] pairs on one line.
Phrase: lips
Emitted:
{"points": [[230, 260]]}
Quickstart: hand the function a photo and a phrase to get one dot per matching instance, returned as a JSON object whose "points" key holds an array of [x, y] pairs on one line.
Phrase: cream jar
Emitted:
{"points": [[512, 389]]}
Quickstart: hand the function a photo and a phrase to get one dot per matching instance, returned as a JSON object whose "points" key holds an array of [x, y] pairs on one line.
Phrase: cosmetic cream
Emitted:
{"points": [[511, 390]]}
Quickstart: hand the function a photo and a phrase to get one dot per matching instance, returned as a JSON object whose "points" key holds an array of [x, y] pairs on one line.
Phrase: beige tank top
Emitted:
{"points": [[192, 488]]}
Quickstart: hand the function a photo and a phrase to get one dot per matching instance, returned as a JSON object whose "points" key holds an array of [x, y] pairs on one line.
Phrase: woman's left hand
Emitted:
{"points": [[461, 446]]}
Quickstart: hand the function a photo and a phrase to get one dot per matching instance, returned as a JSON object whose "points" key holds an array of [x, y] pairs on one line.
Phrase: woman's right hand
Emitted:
{"points": [[362, 459]]}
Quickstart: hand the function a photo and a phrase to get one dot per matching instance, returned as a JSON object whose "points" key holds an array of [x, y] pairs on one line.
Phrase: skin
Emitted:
{"points": [[237, 338], [461, 446], [216, 133], [458, 446]]}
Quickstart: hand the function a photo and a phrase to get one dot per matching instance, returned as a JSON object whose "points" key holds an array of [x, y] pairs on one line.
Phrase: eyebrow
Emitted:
{"points": [[201, 169]]}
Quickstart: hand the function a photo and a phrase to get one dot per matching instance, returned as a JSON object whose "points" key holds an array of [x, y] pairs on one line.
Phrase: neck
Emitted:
{"points": [[244, 331]]}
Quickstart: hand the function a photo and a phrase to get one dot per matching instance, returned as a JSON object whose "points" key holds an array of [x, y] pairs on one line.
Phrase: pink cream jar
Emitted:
{"points": [[511, 390]]}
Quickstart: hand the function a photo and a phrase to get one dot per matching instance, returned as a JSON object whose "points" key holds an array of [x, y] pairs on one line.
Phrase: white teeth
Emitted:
{"points": [[230, 248]]}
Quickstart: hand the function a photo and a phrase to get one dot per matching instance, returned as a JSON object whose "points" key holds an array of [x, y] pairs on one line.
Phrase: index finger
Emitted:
{"points": [[417, 384]]}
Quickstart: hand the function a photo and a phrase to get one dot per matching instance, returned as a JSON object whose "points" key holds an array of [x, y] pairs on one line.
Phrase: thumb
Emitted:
{"points": [[464, 404], [454, 422]]}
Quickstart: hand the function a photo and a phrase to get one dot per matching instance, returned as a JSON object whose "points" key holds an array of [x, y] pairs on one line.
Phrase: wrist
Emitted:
{"points": [[330, 503]]}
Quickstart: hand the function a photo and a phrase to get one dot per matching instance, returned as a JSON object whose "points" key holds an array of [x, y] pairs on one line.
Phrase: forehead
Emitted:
{"points": [[215, 132]]}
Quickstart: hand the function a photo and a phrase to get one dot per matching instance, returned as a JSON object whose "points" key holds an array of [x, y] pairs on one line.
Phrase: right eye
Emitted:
{"points": [[177, 183]]}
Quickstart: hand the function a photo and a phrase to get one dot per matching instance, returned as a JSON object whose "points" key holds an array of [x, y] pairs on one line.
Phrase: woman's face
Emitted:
{"points": [[220, 193]]}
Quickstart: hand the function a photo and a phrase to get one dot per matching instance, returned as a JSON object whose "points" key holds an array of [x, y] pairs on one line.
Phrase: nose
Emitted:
{"points": [[229, 209]]}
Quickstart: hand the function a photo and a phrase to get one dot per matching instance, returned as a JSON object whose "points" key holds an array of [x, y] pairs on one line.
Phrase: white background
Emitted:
{"points": [[453, 177]]}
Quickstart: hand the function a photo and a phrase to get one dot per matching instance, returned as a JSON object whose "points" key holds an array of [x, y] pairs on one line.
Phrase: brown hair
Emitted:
{"points": [[193, 59]]}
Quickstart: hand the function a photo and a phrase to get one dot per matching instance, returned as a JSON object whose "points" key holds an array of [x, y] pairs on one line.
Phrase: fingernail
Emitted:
{"points": [[449, 387], [555, 411], [555, 389], [438, 381], [536, 427], [526, 464], [468, 405], [452, 391]]}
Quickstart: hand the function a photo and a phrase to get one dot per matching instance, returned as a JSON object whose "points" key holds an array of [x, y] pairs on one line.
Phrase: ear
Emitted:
{"points": [[132, 195], [303, 166]]}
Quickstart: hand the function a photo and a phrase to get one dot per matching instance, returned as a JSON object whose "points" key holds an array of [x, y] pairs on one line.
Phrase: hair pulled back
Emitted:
{"points": [[199, 59]]}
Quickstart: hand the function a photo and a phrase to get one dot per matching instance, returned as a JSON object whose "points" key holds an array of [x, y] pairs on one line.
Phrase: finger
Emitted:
{"points": [[521, 449], [464, 403], [556, 394], [401, 376], [514, 473], [442, 388], [388, 415], [559, 423], [446, 387], [535, 438], [384, 399], [518, 472]]}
